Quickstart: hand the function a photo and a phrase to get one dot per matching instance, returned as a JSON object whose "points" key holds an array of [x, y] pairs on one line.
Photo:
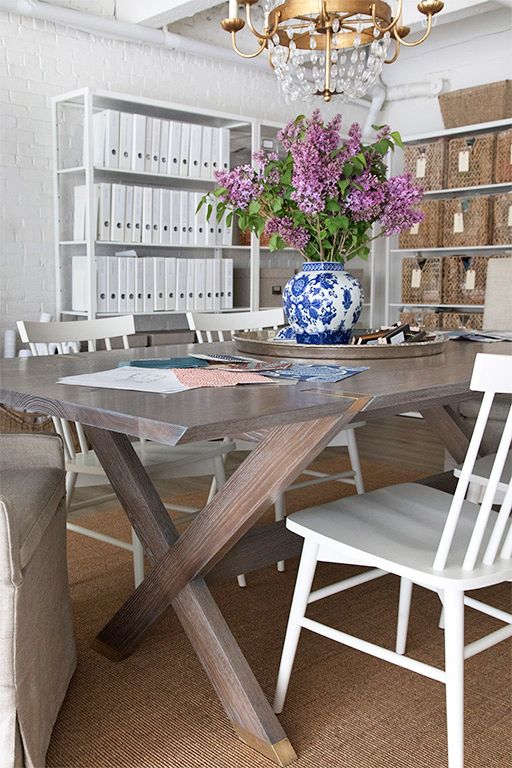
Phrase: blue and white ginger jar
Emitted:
{"points": [[323, 303]]}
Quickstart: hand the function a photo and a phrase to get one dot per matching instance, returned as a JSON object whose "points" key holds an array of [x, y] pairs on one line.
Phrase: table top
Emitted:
{"points": [[394, 386]]}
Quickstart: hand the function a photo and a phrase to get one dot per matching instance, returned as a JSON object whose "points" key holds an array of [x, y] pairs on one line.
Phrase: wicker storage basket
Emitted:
{"points": [[422, 317], [426, 234], [20, 421], [470, 161], [423, 288], [466, 221], [479, 104], [503, 158], [502, 219], [245, 238], [425, 163], [473, 321], [464, 279]]}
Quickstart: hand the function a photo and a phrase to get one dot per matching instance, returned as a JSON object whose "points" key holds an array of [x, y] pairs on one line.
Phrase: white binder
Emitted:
{"points": [[138, 142], [159, 282], [200, 284], [128, 216], [155, 218], [165, 216], [209, 283], [184, 149], [227, 231], [99, 121], [181, 284], [149, 285], [139, 285], [191, 286], [163, 166], [211, 227], [103, 193], [122, 284], [206, 152], [101, 283], [191, 218], [170, 283], [199, 219], [224, 149], [217, 285], [175, 216], [111, 158], [79, 204], [118, 212], [215, 164], [174, 151], [155, 145], [112, 305], [227, 284], [148, 144], [125, 140], [147, 211], [131, 265], [194, 164], [137, 215], [79, 284], [184, 211]]}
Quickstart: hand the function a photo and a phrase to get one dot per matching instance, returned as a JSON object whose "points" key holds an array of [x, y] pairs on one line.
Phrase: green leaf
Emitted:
{"points": [[332, 205], [383, 146], [260, 226], [254, 206], [277, 205], [343, 185], [229, 219], [362, 159], [200, 204], [209, 211], [220, 191], [395, 135]]}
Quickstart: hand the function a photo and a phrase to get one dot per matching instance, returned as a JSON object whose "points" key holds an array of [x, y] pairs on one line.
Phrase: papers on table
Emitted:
{"points": [[484, 337], [320, 373]]}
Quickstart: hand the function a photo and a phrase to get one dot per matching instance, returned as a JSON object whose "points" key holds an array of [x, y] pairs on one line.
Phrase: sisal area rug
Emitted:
{"points": [[344, 709]]}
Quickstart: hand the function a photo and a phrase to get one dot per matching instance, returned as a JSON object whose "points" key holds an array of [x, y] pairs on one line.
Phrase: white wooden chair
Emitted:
{"points": [[82, 464], [438, 541], [222, 327]]}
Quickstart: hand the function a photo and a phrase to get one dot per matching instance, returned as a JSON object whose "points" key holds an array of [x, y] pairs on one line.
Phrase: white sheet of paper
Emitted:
{"points": [[138, 379]]}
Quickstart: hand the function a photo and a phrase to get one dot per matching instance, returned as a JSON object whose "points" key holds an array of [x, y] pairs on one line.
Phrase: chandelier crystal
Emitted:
{"points": [[328, 48]]}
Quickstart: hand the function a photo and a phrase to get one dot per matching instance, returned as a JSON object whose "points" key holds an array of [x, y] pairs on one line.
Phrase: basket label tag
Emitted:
{"points": [[470, 280], [509, 219], [464, 161], [458, 222], [414, 230], [421, 166], [416, 278]]}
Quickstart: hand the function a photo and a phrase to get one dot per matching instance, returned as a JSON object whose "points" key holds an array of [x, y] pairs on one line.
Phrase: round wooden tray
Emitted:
{"points": [[262, 343]]}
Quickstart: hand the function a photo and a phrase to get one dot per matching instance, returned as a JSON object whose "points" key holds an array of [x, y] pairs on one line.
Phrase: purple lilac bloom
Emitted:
{"points": [[242, 184], [365, 204], [295, 237], [399, 211], [383, 132]]}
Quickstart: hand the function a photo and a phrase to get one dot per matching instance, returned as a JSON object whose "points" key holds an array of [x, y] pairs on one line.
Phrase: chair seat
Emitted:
{"points": [[482, 470], [31, 499], [182, 461], [398, 530]]}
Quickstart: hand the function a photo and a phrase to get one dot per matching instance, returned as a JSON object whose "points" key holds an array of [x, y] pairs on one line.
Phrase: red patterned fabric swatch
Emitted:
{"points": [[204, 377]]}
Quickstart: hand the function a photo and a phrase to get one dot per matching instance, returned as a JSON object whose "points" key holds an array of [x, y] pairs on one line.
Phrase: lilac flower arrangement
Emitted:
{"points": [[323, 195]]}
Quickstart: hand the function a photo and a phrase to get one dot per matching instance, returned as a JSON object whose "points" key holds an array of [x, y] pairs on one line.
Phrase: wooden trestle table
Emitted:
{"points": [[292, 424]]}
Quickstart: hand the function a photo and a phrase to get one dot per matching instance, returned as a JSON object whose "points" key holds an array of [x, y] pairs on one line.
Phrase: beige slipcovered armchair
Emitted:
{"points": [[37, 648]]}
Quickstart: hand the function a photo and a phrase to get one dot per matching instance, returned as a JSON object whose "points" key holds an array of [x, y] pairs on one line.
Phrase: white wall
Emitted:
{"points": [[39, 60]]}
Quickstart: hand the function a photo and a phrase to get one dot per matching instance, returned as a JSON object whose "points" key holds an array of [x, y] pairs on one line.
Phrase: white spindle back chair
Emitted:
{"points": [[438, 541], [204, 458]]}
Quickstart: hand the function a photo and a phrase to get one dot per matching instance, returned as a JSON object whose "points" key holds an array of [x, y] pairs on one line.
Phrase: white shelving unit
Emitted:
{"points": [[393, 253], [73, 152]]}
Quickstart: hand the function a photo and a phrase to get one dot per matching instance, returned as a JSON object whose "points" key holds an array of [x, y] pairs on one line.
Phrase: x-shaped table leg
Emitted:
{"points": [[182, 562]]}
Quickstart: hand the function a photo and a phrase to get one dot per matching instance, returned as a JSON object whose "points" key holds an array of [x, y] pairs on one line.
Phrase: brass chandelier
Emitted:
{"points": [[328, 47]]}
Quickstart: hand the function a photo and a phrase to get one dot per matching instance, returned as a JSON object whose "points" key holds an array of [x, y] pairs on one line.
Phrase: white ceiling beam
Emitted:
{"points": [[158, 13], [453, 11]]}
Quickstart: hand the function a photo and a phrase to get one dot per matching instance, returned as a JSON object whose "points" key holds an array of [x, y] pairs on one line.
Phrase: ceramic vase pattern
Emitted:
{"points": [[323, 303]]}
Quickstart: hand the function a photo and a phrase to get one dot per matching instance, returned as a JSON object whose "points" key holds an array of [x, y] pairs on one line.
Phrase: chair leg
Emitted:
{"points": [[453, 602], [474, 493], [280, 514], [138, 559], [404, 609], [354, 459], [71, 478], [301, 594]]}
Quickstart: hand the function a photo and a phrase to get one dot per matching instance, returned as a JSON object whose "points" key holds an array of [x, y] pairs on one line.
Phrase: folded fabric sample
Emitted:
{"points": [[162, 381], [330, 373], [159, 362]]}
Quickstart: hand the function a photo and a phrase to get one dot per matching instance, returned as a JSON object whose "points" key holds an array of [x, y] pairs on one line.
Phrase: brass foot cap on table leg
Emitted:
{"points": [[106, 650], [281, 753]]}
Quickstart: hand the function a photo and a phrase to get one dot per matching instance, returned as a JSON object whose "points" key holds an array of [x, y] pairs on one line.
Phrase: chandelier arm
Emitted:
{"points": [[421, 39], [397, 51], [247, 55], [266, 34], [393, 21]]}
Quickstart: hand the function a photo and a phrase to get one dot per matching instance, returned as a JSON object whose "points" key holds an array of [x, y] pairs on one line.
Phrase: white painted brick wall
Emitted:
{"points": [[38, 60]]}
